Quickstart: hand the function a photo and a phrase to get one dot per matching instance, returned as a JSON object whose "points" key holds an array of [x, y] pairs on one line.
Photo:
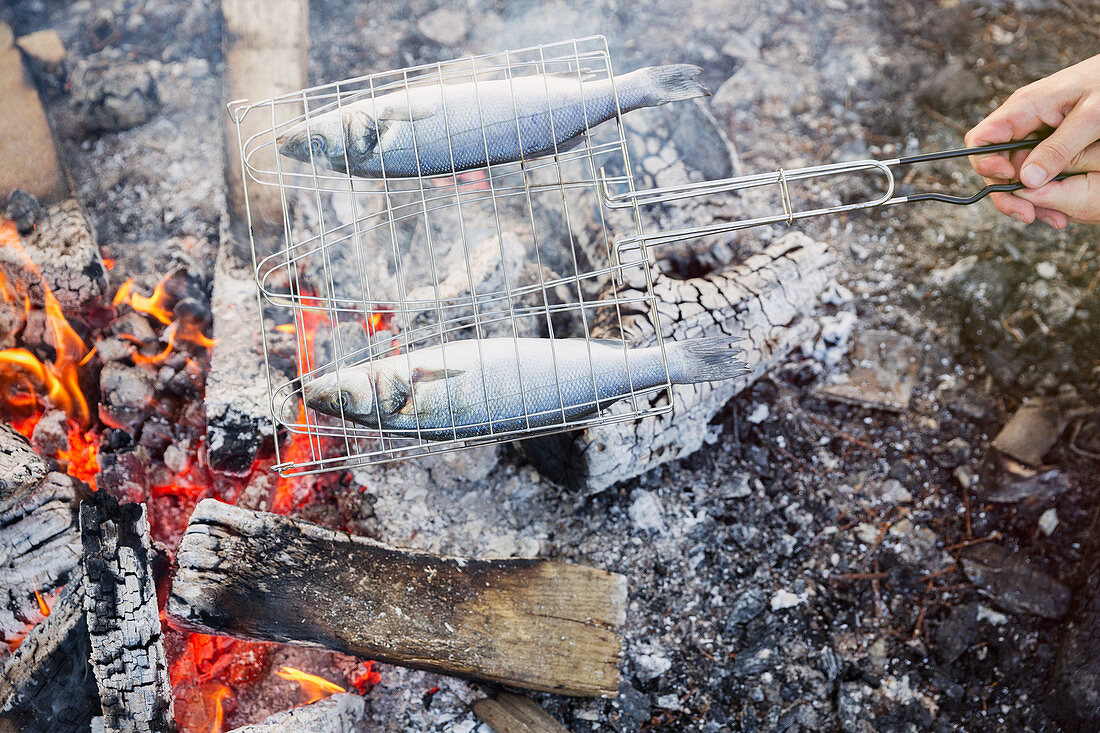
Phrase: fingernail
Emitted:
{"points": [[1032, 175], [1020, 218]]}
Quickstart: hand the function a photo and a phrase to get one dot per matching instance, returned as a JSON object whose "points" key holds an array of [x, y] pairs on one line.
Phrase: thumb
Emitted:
{"points": [[1050, 157]]}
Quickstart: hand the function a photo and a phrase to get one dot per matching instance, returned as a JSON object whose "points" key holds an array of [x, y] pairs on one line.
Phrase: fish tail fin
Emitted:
{"points": [[672, 83], [709, 359]]}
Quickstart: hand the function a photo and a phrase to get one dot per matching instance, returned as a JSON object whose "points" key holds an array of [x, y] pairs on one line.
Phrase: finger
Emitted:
{"points": [[1085, 161], [994, 166], [1051, 217], [1078, 197], [1014, 206], [1080, 129]]}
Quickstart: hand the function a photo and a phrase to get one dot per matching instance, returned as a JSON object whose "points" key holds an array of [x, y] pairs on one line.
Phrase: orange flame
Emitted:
{"points": [[286, 328], [314, 688], [154, 304], [43, 607], [216, 698], [123, 293], [60, 379]]}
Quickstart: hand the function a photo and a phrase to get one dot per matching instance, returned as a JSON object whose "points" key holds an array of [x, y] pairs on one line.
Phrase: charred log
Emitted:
{"points": [[528, 623], [509, 713], [47, 683], [127, 651], [766, 300], [20, 467], [39, 546], [342, 713]]}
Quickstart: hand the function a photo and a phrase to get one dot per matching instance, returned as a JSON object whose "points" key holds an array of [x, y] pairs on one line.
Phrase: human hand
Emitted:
{"points": [[1068, 102]]}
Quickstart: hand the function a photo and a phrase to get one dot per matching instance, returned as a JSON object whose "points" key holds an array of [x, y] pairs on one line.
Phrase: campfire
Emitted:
{"points": [[83, 392]]}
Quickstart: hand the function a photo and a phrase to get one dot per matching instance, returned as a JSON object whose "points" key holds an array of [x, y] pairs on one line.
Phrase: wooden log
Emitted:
{"points": [[28, 159], [341, 713], [20, 466], [120, 600], [535, 624], [64, 257], [262, 59], [767, 300], [509, 713], [39, 546], [47, 683]]}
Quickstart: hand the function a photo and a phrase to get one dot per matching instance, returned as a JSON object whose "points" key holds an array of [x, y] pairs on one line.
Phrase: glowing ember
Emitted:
{"points": [[314, 688], [202, 708], [363, 677], [44, 606]]}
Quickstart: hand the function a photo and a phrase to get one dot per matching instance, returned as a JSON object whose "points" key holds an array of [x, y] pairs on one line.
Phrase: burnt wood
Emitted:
{"points": [[39, 546], [505, 712], [341, 713], [47, 683], [120, 600], [528, 623], [767, 300], [20, 466]]}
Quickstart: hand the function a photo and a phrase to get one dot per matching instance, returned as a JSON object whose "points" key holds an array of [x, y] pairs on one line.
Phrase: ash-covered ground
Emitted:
{"points": [[801, 571]]}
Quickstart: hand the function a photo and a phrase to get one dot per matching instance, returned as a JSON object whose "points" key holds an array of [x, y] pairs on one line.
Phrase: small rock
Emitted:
{"points": [[895, 493], [759, 414], [957, 632], [636, 706], [650, 666], [110, 95], [1046, 270], [1048, 521], [952, 453], [669, 701], [832, 344], [747, 607], [735, 487], [645, 511], [1032, 430], [965, 476], [444, 26], [985, 613], [785, 599], [1013, 582]]}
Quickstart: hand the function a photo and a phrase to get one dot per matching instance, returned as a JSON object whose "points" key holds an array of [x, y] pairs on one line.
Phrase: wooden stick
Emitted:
{"points": [[120, 601], [508, 713], [529, 623], [47, 684]]}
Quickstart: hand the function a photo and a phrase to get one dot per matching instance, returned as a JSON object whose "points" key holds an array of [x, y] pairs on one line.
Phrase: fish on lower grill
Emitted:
{"points": [[472, 387], [448, 128]]}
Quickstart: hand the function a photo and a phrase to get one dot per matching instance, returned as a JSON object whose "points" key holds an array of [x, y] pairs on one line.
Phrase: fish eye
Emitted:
{"points": [[316, 144], [343, 400]]}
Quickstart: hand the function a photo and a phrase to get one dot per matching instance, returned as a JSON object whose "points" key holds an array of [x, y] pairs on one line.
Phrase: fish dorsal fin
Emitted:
{"points": [[408, 112], [421, 374]]}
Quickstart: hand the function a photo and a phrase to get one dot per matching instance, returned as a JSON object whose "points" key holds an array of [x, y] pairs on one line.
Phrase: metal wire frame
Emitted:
{"points": [[337, 443]]}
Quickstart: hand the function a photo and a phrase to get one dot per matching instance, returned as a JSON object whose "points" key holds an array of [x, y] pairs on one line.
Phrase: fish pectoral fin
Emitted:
{"points": [[408, 112], [570, 143], [360, 131], [420, 374]]}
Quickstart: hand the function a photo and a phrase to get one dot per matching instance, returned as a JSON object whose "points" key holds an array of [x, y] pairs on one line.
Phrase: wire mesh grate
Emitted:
{"points": [[373, 268]]}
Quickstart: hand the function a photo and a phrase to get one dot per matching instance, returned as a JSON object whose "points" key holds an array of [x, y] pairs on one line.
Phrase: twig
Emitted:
{"points": [[971, 543], [850, 438]]}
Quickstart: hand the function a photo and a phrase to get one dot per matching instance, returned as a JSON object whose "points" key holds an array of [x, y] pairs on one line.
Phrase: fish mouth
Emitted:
{"points": [[282, 139]]}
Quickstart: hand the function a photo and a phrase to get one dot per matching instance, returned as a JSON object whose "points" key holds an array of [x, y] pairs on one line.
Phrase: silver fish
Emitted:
{"points": [[472, 387], [416, 133]]}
